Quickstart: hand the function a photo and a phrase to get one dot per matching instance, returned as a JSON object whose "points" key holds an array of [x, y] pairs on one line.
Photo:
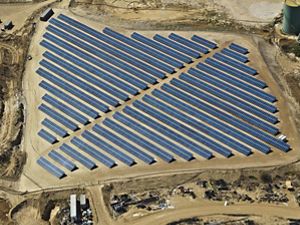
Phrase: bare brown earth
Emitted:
{"points": [[170, 15]]}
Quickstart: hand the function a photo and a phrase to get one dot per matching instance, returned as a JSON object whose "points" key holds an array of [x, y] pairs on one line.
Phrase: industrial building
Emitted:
{"points": [[8, 25], [291, 17], [46, 15]]}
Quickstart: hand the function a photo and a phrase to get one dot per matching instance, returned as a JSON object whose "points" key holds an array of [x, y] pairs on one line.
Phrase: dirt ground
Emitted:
{"points": [[148, 17]]}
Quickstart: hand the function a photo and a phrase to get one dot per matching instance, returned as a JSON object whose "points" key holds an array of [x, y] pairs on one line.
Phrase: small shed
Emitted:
{"points": [[46, 15], [82, 199], [8, 25]]}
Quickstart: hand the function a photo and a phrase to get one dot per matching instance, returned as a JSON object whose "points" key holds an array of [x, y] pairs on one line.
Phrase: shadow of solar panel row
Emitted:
{"points": [[176, 46], [47, 136], [116, 81], [138, 140], [78, 156], [234, 55], [183, 129], [232, 90], [153, 136], [54, 170], [238, 83], [235, 64], [162, 48], [75, 81], [108, 148], [144, 48], [238, 48], [168, 132], [228, 98], [204, 129], [228, 118], [93, 152], [55, 128], [204, 42], [123, 144], [236, 73], [70, 100], [223, 105], [109, 49], [188, 43], [65, 109], [58, 117], [62, 160], [87, 77], [211, 121], [73, 90]]}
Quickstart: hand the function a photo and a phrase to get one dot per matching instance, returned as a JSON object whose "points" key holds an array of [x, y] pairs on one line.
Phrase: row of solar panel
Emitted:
{"points": [[228, 98], [233, 90], [176, 42], [201, 103]]}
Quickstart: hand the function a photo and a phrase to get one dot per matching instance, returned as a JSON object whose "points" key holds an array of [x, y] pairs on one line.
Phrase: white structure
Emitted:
{"points": [[73, 208], [282, 137], [82, 201]]}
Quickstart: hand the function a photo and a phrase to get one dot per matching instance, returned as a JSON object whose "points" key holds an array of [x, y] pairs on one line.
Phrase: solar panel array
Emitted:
{"points": [[217, 108]]}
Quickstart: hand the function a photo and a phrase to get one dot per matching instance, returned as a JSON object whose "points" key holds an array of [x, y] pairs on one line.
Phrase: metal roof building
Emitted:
{"points": [[73, 207], [45, 16]]}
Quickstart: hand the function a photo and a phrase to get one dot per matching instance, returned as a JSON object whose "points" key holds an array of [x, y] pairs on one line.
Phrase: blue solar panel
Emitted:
{"points": [[62, 160], [108, 148], [236, 82], [143, 48], [109, 78], [65, 109], [188, 43], [212, 121], [153, 136], [228, 118], [102, 64], [111, 50], [228, 98], [47, 136], [183, 129], [74, 80], [223, 105], [232, 90], [162, 48], [176, 46], [169, 133], [55, 128], [138, 140], [105, 86], [236, 73], [238, 48], [71, 89], [58, 117], [154, 62], [54, 170], [70, 100], [124, 144], [206, 130], [204, 42], [235, 55], [78, 156], [235, 64], [93, 152]]}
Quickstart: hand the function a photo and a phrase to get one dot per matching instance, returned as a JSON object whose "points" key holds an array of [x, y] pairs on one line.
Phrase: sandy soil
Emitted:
{"points": [[19, 12]]}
